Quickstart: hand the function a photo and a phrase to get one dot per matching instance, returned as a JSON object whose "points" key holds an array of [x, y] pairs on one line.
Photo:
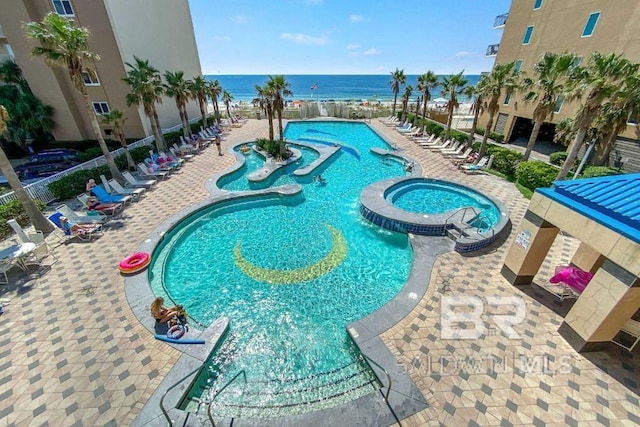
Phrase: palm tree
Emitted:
{"points": [[146, 90], [214, 90], [227, 98], [397, 79], [37, 219], [503, 79], [178, 88], [260, 101], [476, 108], [602, 77], [64, 44], [546, 87], [452, 86], [265, 93], [405, 100], [116, 120], [280, 87], [615, 115], [198, 91], [426, 83]]}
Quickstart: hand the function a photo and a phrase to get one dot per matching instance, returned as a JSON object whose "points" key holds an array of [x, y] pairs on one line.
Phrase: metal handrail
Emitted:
{"points": [[464, 212], [481, 218], [386, 395], [243, 373], [164, 411]]}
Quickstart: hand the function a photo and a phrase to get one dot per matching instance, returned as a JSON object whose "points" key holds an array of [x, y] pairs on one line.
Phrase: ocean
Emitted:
{"points": [[329, 87]]}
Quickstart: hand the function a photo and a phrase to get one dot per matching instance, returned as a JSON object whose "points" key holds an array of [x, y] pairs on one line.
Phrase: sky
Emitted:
{"points": [[345, 36]]}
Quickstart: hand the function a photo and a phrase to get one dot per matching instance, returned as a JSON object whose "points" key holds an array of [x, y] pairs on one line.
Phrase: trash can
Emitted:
{"points": [[258, 115]]}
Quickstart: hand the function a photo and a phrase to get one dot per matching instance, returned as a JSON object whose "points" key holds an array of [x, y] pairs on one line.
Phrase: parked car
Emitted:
{"points": [[46, 163]]}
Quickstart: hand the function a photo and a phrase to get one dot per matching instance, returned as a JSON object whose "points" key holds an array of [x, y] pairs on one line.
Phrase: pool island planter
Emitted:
{"points": [[377, 209]]}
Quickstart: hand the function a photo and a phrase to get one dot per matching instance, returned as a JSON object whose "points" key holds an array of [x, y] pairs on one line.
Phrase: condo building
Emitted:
{"points": [[160, 31], [533, 27]]}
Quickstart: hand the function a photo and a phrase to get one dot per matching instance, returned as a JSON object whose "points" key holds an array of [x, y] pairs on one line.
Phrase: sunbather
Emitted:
{"points": [[163, 314], [78, 228], [93, 204]]}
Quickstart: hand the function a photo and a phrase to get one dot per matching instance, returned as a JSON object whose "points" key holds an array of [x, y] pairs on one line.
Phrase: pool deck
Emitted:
{"points": [[72, 353]]}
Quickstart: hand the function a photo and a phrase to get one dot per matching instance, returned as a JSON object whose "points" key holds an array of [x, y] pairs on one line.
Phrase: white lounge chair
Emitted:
{"points": [[483, 163], [184, 156], [136, 193], [137, 183], [145, 173], [92, 217]]}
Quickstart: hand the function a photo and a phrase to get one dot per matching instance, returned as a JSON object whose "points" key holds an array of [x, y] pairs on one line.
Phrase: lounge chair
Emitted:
{"points": [[188, 146], [104, 197], [445, 144], [92, 217], [173, 158], [85, 234], [36, 237], [84, 197], [145, 172], [482, 164], [136, 193], [137, 183], [462, 156], [455, 150], [183, 156]]}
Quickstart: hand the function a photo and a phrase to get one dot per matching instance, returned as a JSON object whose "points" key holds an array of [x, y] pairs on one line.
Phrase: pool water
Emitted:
{"points": [[289, 273], [438, 198]]}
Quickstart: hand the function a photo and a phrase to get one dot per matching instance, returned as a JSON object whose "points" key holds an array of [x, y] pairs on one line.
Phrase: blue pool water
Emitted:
{"points": [[289, 273], [438, 197]]}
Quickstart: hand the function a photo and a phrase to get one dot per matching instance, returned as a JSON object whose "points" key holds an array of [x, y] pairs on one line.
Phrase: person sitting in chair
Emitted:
{"points": [[93, 204], [163, 314], [78, 228]]}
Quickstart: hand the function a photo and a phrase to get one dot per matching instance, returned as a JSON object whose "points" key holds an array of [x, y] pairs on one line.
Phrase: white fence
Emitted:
{"points": [[40, 190]]}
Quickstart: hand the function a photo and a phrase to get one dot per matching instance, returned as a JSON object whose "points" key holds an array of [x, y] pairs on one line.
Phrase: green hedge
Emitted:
{"points": [[536, 174], [14, 210], [558, 158], [497, 137], [594, 171], [90, 154], [71, 185], [505, 160]]}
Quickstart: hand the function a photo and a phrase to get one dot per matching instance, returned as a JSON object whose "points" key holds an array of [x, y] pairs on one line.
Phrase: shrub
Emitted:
{"points": [[90, 153], [14, 210], [434, 128], [269, 146], [595, 171], [459, 136], [558, 158], [497, 137], [505, 160], [536, 174]]}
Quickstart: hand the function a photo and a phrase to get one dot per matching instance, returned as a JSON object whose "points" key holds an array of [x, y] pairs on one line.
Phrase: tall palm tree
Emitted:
{"points": [[426, 83], [546, 87], [146, 90], [265, 93], [178, 88], [198, 91], [614, 116], [476, 108], [601, 77], [116, 120], [452, 86], [214, 90], [64, 44], [502, 80], [405, 100], [37, 219], [260, 100], [227, 98], [397, 79], [281, 89]]}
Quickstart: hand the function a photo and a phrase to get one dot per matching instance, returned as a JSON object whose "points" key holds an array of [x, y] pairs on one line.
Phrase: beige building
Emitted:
{"points": [[534, 27], [160, 31]]}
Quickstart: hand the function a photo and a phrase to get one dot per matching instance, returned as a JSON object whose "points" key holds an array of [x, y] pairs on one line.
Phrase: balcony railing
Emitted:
{"points": [[492, 49], [500, 21]]}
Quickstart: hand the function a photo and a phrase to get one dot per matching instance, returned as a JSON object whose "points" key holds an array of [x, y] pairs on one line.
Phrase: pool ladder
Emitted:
{"points": [[461, 225]]}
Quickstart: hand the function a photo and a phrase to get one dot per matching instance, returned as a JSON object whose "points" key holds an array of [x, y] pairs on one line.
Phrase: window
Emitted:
{"points": [[527, 35], [101, 107], [558, 106], [63, 7], [507, 99], [592, 20], [518, 66], [90, 78], [537, 4]]}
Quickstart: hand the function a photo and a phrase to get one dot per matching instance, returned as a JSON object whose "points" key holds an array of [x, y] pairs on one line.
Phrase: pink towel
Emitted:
{"points": [[573, 277]]}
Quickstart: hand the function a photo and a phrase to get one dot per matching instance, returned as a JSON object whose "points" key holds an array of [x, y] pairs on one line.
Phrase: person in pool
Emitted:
{"points": [[161, 313]]}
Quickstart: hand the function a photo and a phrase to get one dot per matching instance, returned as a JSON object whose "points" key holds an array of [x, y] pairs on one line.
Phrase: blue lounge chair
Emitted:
{"points": [[104, 197], [86, 233]]}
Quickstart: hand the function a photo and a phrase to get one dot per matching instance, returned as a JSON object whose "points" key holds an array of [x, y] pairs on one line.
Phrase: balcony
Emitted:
{"points": [[492, 49], [500, 21]]}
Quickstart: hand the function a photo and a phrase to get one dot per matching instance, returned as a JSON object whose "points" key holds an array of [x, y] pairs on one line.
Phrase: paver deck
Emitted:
{"points": [[72, 353]]}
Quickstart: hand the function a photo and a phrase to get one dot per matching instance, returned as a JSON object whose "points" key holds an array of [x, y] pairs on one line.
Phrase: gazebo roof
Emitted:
{"points": [[613, 201]]}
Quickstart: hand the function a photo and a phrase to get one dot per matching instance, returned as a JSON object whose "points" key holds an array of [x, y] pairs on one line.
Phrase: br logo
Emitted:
{"points": [[461, 316]]}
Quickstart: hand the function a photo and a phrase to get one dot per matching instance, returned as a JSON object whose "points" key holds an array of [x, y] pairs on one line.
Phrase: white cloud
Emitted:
{"points": [[300, 38], [239, 19], [463, 53], [353, 46], [356, 18], [221, 38], [372, 51]]}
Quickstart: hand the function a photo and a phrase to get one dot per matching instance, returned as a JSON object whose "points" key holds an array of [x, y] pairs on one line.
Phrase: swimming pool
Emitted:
{"points": [[290, 273]]}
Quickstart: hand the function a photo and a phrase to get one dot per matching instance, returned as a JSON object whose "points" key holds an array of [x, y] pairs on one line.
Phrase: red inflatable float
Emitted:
{"points": [[134, 263]]}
